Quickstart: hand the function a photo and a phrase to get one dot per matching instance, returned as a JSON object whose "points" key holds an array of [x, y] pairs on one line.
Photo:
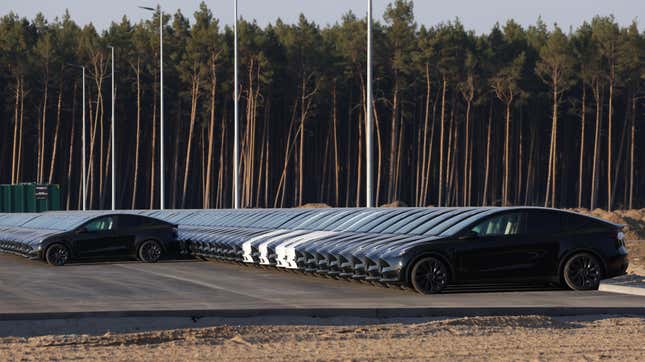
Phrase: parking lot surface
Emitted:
{"points": [[32, 289]]}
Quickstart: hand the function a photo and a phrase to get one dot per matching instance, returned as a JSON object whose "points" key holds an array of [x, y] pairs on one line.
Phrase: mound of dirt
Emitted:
{"points": [[396, 203], [314, 206]]}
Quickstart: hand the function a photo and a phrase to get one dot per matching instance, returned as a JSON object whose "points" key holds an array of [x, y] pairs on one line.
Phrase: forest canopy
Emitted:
{"points": [[533, 115]]}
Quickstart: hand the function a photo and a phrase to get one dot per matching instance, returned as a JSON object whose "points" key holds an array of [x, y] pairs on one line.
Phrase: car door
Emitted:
{"points": [[128, 227], [500, 248], [100, 238]]}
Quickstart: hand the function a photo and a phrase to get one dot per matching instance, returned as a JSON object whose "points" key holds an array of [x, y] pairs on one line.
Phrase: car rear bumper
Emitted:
{"points": [[617, 265]]}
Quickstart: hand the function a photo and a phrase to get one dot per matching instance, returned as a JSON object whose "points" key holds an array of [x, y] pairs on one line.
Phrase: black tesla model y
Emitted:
{"points": [[109, 237], [512, 245]]}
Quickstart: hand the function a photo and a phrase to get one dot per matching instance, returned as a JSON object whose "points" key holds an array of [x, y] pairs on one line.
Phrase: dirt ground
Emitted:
{"points": [[636, 250], [475, 338]]}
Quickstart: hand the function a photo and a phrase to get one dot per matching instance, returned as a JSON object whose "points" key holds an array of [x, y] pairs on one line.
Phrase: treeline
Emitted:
{"points": [[533, 116]]}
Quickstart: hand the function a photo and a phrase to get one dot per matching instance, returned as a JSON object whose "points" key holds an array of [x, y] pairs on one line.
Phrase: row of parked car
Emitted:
{"points": [[424, 248]]}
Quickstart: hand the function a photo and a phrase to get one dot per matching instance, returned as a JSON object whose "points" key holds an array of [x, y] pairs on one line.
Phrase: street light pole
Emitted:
{"points": [[236, 145], [83, 167], [368, 107], [161, 128], [113, 139]]}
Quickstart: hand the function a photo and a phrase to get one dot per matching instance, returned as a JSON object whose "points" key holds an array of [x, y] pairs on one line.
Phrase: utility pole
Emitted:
{"points": [[84, 170], [113, 139], [236, 142], [161, 122], [368, 127]]}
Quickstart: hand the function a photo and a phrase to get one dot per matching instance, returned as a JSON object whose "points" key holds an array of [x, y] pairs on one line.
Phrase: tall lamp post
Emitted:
{"points": [[161, 122], [368, 107], [113, 137], [236, 142]]}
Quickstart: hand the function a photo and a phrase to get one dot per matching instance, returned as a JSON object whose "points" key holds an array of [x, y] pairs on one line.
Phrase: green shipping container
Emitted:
{"points": [[29, 197], [5, 198], [18, 198], [29, 192], [54, 197]]}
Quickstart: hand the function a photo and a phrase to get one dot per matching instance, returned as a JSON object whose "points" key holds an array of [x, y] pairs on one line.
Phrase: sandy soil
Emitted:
{"points": [[498, 338], [636, 249]]}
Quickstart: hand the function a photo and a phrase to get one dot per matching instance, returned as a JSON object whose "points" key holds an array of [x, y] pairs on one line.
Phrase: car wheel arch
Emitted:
{"points": [[425, 254], [567, 256], [143, 239], [48, 244]]}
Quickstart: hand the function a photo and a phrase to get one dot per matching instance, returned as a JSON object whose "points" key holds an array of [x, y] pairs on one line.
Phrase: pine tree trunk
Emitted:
{"points": [[379, 150], [189, 146], [52, 165], [211, 139], [70, 153], [20, 130], [550, 191], [41, 134], [487, 163], [135, 180], [441, 140], [14, 155], [596, 146], [631, 153], [153, 151], [421, 199], [582, 144], [506, 151], [609, 140], [466, 146], [336, 159], [393, 141]]}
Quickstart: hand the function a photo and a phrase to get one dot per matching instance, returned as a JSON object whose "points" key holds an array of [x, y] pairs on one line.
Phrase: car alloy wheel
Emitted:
{"points": [[429, 276], [150, 251], [57, 255], [583, 272]]}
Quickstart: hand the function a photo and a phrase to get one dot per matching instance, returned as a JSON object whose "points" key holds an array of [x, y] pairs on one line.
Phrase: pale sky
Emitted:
{"points": [[476, 15]]}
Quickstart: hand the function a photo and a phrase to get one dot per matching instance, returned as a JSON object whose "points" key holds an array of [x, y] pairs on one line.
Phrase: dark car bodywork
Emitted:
{"points": [[121, 239], [383, 244], [477, 244]]}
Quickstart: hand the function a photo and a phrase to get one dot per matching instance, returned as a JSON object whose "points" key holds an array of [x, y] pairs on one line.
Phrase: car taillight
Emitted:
{"points": [[620, 239]]}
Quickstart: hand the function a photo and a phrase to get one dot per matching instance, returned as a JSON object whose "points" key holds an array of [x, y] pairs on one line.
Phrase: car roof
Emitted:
{"points": [[426, 221]]}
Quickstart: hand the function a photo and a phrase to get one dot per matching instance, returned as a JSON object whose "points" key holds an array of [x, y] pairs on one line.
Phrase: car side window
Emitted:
{"points": [[101, 224], [129, 221], [506, 224], [546, 222]]}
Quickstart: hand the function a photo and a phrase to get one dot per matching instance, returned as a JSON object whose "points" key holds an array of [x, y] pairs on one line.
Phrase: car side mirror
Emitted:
{"points": [[470, 234], [82, 230]]}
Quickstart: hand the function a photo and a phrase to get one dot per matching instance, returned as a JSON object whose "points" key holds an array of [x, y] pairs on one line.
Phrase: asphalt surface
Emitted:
{"points": [[34, 290]]}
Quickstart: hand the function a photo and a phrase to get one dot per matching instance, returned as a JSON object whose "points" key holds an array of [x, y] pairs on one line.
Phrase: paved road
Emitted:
{"points": [[212, 289]]}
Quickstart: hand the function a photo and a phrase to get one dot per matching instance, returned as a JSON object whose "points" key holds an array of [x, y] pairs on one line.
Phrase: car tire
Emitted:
{"points": [[582, 271], [429, 275], [150, 251], [57, 255]]}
